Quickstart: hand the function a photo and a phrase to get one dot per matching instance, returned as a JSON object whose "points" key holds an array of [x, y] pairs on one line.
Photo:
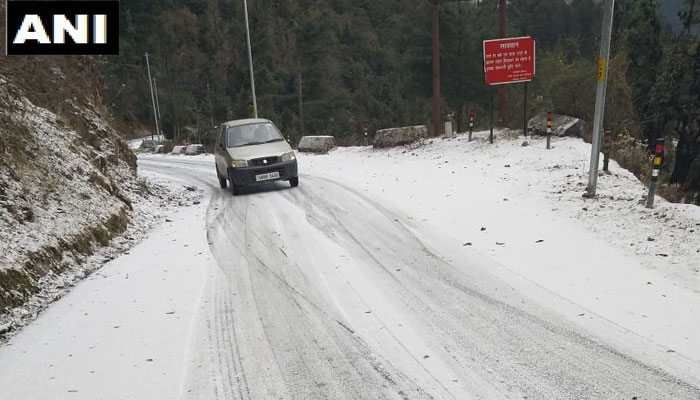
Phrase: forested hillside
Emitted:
{"points": [[325, 67]]}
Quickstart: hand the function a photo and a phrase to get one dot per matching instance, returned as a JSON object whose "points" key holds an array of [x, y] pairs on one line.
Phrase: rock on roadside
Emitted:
{"points": [[393, 137], [316, 144]]}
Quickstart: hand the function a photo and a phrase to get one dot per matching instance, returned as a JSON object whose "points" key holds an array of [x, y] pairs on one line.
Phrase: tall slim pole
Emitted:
{"points": [[155, 88], [300, 100], [437, 125], [600, 97], [525, 111], [211, 112], [153, 101], [491, 108], [250, 60], [503, 32]]}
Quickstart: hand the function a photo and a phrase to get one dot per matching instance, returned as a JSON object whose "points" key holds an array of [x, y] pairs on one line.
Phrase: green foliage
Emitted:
{"points": [[320, 67], [675, 100], [326, 67]]}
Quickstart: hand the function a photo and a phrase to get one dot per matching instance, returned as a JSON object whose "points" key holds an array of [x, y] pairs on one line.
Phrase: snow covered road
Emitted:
{"points": [[323, 292], [327, 292]]}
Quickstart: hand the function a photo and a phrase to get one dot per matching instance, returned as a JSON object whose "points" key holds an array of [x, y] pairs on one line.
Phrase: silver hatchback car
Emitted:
{"points": [[253, 151]]}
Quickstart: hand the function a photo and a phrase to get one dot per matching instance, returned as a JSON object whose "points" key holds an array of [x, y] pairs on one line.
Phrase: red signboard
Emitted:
{"points": [[509, 60]]}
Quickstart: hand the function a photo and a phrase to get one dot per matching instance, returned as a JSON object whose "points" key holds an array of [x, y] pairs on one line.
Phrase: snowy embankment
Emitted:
{"points": [[127, 321], [612, 261], [68, 188]]}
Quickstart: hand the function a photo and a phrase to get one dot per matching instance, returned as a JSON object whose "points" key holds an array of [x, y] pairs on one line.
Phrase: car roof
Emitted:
{"points": [[238, 122]]}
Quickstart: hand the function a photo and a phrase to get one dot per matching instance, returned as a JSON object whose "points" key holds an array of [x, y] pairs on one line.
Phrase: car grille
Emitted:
{"points": [[263, 162]]}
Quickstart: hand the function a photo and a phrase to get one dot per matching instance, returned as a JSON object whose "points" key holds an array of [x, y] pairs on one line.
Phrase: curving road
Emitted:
{"points": [[324, 293]]}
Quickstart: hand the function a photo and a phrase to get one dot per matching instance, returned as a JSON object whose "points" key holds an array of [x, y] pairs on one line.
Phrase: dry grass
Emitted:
{"points": [[633, 156]]}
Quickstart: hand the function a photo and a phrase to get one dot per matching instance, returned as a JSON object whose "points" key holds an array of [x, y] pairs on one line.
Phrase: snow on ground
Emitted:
{"points": [[51, 215], [622, 272], [132, 316], [148, 211], [613, 259]]}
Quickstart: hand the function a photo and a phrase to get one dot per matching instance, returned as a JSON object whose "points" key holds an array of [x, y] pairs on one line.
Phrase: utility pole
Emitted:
{"points": [[160, 121], [437, 125], [600, 97], [250, 60], [437, 120], [300, 99], [211, 113], [502, 31], [153, 102]]}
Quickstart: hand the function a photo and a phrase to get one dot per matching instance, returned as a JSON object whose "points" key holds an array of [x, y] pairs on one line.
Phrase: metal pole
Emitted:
{"points": [[525, 112], [153, 101], [250, 60], [607, 143], [155, 87], [600, 97], [436, 69], [211, 112], [491, 107], [502, 32]]}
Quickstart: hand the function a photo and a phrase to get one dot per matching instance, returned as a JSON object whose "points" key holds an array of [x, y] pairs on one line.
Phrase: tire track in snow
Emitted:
{"points": [[273, 291], [474, 325], [604, 369]]}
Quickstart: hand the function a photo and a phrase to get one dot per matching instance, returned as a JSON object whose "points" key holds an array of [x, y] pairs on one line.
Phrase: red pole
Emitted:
{"points": [[471, 123], [607, 143], [549, 129], [502, 30], [437, 125]]}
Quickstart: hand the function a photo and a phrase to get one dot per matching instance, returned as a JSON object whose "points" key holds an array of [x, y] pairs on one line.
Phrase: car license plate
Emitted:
{"points": [[267, 177]]}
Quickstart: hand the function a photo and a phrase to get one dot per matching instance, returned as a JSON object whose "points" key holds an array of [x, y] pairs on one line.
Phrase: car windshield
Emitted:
{"points": [[245, 135]]}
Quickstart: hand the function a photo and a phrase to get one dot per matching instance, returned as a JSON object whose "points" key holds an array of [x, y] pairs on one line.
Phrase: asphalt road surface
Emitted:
{"points": [[325, 293]]}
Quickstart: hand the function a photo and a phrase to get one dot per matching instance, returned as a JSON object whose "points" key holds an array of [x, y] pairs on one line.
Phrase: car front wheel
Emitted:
{"points": [[235, 189], [294, 181], [222, 180]]}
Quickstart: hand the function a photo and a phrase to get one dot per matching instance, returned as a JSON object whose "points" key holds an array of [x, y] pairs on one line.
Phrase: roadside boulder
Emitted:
{"points": [[393, 137], [562, 125], [194, 149], [316, 144], [178, 150], [148, 144]]}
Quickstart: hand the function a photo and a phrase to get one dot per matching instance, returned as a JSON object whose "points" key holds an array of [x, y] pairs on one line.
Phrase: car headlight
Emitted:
{"points": [[290, 156], [239, 163]]}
